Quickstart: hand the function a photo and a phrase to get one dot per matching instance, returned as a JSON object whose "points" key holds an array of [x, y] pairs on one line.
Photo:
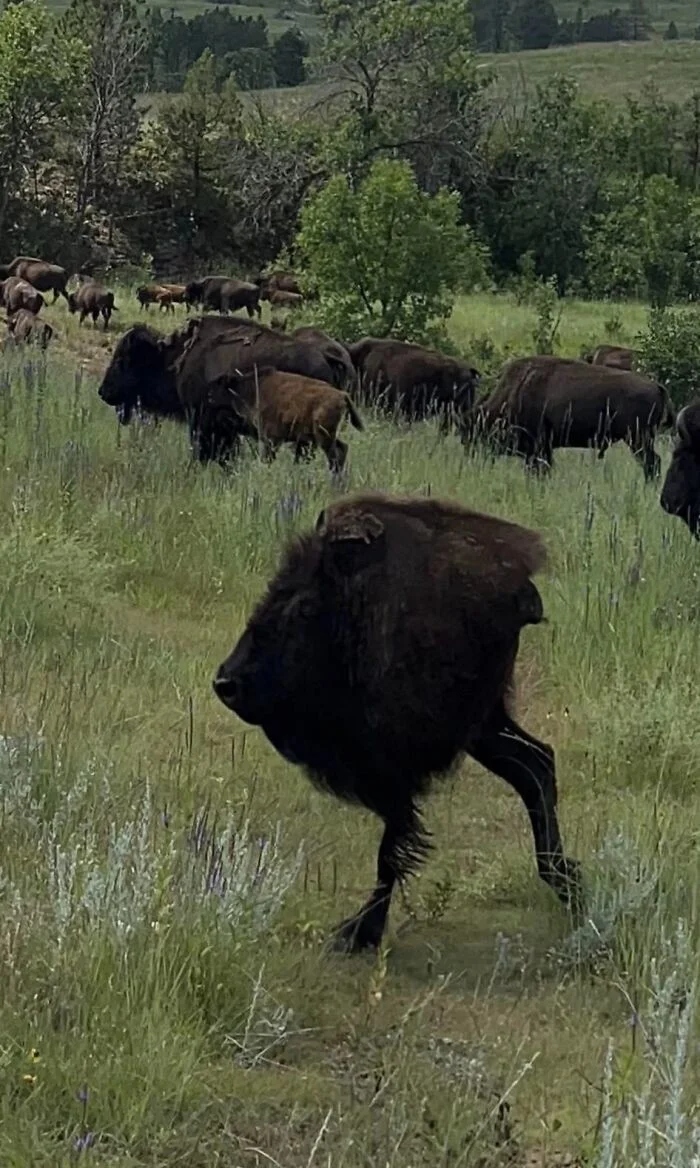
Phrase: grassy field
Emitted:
{"points": [[167, 881]]}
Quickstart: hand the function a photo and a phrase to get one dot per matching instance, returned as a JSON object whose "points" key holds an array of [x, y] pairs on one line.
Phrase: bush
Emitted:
{"points": [[384, 257], [669, 351]]}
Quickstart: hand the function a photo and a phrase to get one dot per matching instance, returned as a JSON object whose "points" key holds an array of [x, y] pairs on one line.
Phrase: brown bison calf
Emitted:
{"points": [[16, 293], [283, 299], [279, 407], [382, 652], [92, 299], [26, 328]]}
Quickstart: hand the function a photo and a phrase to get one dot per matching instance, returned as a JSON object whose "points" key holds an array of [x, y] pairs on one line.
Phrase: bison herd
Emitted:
{"points": [[384, 648]]}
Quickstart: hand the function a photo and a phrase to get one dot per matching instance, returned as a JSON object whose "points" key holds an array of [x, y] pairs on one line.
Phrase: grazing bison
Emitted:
{"points": [[221, 294], [335, 354], [411, 380], [174, 376], [148, 294], [41, 275], [284, 407], [16, 293], [541, 403], [680, 495], [383, 651], [92, 299], [614, 356], [285, 299], [26, 328]]}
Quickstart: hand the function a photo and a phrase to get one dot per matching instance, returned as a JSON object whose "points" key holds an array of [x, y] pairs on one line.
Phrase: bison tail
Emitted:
{"points": [[668, 417], [353, 414]]}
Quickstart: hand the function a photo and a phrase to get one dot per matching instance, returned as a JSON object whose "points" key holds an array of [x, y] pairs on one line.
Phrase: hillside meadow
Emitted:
{"points": [[167, 882]]}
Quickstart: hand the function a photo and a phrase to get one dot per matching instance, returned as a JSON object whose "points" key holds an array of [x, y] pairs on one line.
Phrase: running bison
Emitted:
{"points": [[174, 377], [92, 299], [680, 495], [222, 294], [16, 294], [411, 380], [383, 651], [41, 275], [614, 356], [545, 402], [274, 408]]}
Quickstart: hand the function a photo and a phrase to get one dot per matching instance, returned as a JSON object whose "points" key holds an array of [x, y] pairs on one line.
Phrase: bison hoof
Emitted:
{"points": [[357, 934]]}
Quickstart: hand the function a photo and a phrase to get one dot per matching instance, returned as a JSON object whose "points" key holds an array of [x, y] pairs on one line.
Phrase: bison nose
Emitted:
{"points": [[226, 689]]}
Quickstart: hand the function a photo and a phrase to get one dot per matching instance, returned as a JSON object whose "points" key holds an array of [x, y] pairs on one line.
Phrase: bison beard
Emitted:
{"points": [[383, 651]]}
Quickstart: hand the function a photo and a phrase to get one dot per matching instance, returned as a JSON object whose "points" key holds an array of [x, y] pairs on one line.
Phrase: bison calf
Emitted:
{"points": [[16, 294], [285, 407], [383, 651], [93, 300], [24, 327]]}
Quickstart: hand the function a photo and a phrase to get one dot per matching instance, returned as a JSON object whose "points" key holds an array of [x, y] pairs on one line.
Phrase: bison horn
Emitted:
{"points": [[682, 426]]}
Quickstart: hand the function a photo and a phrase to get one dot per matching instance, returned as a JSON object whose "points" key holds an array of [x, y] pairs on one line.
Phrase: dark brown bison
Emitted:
{"points": [[278, 407], [614, 356], [16, 293], [541, 403], [334, 352], [26, 328], [411, 380], [383, 651], [222, 294], [92, 299], [174, 376], [41, 275], [680, 495]]}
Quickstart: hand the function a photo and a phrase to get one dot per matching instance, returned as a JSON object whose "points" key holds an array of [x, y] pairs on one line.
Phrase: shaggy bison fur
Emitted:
{"points": [[541, 403], [383, 651], [680, 495]]}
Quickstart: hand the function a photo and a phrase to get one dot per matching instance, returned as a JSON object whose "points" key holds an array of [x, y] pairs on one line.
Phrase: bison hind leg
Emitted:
{"points": [[337, 454], [403, 848], [527, 765], [648, 458]]}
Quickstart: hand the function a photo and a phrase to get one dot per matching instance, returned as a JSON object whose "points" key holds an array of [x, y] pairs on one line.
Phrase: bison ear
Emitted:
{"points": [[352, 540]]}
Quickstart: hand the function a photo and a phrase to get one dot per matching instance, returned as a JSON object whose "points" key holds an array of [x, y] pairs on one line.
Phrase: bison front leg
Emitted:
{"points": [[528, 766], [403, 846]]}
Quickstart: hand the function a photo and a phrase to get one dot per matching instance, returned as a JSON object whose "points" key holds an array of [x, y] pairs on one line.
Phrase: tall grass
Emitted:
{"points": [[167, 881]]}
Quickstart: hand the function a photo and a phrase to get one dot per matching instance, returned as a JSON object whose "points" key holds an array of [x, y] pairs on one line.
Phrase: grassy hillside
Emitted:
{"points": [[181, 1002]]}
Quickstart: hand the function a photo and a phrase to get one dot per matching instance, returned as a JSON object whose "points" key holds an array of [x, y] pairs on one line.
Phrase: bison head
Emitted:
{"points": [[194, 292], [281, 675], [72, 302], [136, 373], [681, 490]]}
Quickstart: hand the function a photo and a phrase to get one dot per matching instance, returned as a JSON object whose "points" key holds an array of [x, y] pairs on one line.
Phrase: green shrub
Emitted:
{"points": [[669, 351]]}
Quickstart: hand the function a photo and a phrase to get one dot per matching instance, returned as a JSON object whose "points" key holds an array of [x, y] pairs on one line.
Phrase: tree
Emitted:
{"points": [[407, 67], [533, 23], [36, 75], [671, 33], [289, 54], [106, 90], [386, 258]]}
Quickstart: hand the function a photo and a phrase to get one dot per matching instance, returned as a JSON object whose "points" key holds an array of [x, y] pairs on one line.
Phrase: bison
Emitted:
{"points": [[334, 352], [278, 282], [26, 328], [279, 407], [16, 293], [382, 652], [411, 380], [41, 275], [680, 494], [92, 299], [614, 356], [282, 299], [222, 294], [174, 376], [541, 403]]}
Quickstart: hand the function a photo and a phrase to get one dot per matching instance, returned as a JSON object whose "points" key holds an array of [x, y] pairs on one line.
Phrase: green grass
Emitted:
{"points": [[214, 1028]]}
